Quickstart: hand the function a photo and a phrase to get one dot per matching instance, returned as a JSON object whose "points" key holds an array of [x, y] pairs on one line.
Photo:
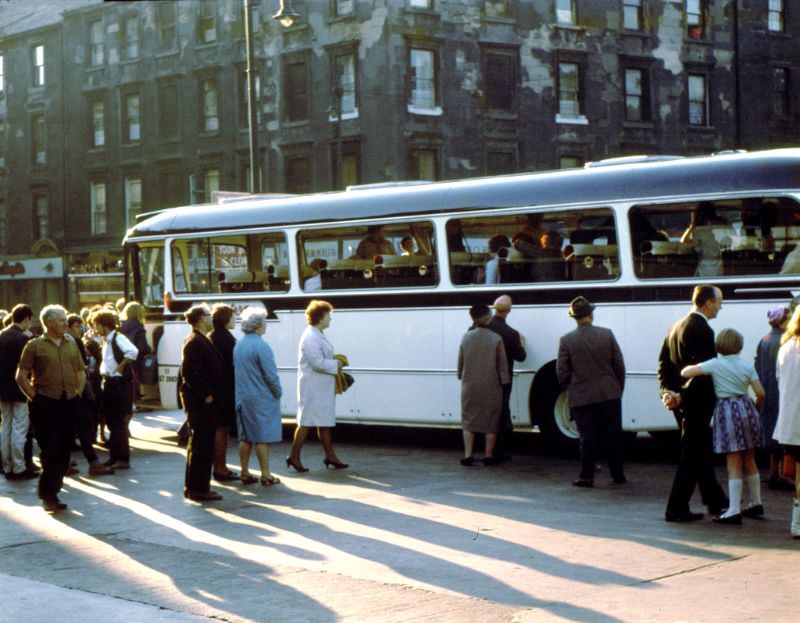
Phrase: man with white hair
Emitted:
{"points": [[55, 363], [515, 351]]}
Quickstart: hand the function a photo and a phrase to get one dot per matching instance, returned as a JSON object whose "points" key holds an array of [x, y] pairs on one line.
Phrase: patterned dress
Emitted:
{"points": [[737, 425]]}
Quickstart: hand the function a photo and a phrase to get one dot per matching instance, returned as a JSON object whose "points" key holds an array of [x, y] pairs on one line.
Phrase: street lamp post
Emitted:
{"points": [[286, 17]]}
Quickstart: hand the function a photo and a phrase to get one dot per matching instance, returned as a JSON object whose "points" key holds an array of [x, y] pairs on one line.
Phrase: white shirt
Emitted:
{"points": [[492, 271], [129, 351], [787, 428], [313, 284]]}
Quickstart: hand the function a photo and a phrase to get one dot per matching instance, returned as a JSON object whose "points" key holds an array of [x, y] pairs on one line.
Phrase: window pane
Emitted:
{"points": [[98, 199], [231, 264], [423, 80], [151, 267], [570, 162], [575, 245], [500, 81], [132, 113], [344, 7], [210, 182], [346, 75], [421, 4], [565, 11], [297, 87], [732, 237], [210, 106], [380, 256], [633, 95], [168, 120], [425, 164], [133, 199], [98, 124], [131, 38], [568, 82], [697, 100], [298, 175]]}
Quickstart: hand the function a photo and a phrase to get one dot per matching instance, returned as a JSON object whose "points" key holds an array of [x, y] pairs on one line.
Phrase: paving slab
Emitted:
{"points": [[406, 534]]}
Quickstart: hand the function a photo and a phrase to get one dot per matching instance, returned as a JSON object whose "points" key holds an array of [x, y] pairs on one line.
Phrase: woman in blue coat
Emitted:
{"points": [[258, 395]]}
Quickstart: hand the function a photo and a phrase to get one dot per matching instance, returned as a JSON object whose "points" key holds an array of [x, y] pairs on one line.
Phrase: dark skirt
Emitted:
{"points": [[737, 426]]}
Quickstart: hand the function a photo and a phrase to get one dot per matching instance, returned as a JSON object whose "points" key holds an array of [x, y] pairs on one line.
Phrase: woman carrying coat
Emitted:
{"points": [[221, 337], [316, 387], [258, 396], [787, 428]]}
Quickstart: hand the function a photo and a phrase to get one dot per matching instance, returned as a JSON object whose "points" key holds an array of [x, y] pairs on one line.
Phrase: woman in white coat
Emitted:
{"points": [[787, 428], [316, 387]]}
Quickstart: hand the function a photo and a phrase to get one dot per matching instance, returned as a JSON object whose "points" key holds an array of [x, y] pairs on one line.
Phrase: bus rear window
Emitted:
{"points": [[574, 245], [376, 256], [230, 264], [723, 238]]}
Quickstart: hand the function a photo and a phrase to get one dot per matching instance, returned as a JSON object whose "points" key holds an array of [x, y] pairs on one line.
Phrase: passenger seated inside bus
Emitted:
{"points": [[374, 244], [703, 236], [536, 252], [314, 283], [498, 252], [592, 230], [726, 237], [407, 248], [359, 257]]}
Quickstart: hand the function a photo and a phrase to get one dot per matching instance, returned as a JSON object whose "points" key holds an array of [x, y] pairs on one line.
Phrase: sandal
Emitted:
{"points": [[248, 479], [268, 481]]}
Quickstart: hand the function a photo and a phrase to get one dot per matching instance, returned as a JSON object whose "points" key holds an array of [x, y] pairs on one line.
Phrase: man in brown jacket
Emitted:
{"points": [[590, 366]]}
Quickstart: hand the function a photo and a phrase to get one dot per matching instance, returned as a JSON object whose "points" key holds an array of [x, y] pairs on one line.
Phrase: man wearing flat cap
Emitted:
{"points": [[591, 367]]}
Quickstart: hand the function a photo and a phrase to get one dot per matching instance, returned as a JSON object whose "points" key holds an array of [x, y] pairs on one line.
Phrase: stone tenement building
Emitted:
{"points": [[108, 109]]}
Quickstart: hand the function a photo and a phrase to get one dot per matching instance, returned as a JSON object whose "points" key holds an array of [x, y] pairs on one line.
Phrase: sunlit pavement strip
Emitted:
{"points": [[405, 535]]}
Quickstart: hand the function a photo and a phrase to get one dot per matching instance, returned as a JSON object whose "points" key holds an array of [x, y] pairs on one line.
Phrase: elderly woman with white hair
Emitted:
{"points": [[258, 395]]}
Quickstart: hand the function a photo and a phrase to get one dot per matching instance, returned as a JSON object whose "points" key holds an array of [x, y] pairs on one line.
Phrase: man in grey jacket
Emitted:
{"points": [[590, 366]]}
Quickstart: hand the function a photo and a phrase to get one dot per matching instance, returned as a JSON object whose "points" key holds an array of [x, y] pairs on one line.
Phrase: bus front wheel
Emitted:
{"points": [[550, 411]]}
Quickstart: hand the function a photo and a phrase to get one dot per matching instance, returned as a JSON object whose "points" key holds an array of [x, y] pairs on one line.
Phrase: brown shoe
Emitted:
{"points": [[120, 465], [98, 469], [53, 505], [203, 496]]}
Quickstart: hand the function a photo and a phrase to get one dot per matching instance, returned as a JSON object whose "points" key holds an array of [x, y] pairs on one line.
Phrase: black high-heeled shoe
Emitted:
{"points": [[335, 464], [297, 466]]}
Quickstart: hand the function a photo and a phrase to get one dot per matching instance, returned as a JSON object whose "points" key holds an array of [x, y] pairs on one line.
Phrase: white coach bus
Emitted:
{"points": [[634, 236]]}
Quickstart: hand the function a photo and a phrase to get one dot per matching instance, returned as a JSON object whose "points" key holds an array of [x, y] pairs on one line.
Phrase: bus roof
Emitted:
{"points": [[772, 170]]}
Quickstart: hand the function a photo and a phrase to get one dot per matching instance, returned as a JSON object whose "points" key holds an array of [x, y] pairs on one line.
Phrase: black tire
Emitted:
{"points": [[545, 392]]}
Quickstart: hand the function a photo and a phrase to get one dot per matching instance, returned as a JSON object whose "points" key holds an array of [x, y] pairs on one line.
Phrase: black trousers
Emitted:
{"points": [[696, 465], [116, 404], [53, 423], [200, 451], [595, 422], [84, 430], [506, 430]]}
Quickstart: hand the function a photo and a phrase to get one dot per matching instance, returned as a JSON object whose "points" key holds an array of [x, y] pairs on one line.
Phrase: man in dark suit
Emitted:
{"points": [[202, 381], [515, 351], [591, 367], [690, 341]]}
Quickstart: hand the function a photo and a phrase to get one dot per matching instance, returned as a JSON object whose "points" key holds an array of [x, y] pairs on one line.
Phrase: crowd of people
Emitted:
{"points": [[704, 380], [65, 386], [82, 374]]}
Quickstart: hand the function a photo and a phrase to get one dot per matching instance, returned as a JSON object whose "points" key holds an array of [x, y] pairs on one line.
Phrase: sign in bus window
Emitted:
{"points": [[567, 245], [377, 256], [720, 238], [230, 264]]}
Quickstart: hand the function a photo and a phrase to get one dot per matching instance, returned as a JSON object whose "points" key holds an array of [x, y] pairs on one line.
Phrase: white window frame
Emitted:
{"points": [[132, 206], [99, 228], [417, 104], [38, 66]]}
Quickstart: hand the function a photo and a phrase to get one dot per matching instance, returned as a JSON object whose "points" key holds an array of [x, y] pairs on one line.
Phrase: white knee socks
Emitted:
{"points": [[735, 497], [753, 489]]}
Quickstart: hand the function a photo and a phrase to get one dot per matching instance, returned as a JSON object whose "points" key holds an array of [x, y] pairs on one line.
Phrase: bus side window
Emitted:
{"points": [[721, 238], [376, 256], [545, 247]]}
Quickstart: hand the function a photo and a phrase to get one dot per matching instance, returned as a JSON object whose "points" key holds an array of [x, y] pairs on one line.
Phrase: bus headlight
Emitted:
{"points": [[423, 270]]}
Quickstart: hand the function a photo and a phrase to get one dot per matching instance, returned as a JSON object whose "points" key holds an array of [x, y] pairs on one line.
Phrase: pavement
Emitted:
{"points": [[405, 534]]}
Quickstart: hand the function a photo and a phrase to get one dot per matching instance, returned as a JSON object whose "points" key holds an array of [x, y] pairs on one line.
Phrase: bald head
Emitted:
{"points": [[502, 306]]}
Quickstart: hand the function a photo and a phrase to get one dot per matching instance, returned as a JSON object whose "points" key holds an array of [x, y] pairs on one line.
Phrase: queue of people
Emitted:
{"points": [[56, 384], [222, 378]]}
